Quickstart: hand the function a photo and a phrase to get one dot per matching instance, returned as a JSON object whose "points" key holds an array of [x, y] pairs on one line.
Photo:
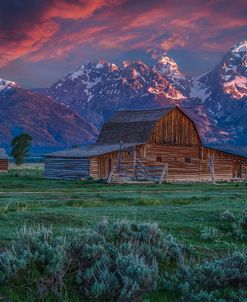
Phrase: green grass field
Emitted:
{"points": [[181, 209]]}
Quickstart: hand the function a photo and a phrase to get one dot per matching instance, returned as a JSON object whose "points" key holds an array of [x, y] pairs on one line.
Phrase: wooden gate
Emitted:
{"points": [[135, 170]]}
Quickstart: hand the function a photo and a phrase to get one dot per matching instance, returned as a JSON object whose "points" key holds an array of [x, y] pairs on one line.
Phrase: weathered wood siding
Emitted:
{"points": [[176, 129], [226, 166], [4, 163], [66, 168], [185, 163], [175, 156]]}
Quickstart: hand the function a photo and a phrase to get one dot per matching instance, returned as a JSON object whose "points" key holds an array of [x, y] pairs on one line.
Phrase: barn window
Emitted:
{"points": [[187, 160], [159, 159]]}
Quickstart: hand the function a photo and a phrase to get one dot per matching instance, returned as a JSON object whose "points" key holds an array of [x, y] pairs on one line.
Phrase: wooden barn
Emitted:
{"points": [[154, 145], [4, 161]]}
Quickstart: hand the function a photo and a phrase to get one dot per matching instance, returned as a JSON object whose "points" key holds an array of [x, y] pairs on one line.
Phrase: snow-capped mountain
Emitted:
{"points": [[229, 77], [70, 111], [234, 72], [223, 94], [96, 89], [217, 98]]}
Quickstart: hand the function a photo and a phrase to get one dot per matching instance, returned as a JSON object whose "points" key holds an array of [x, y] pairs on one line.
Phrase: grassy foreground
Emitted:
{"points": [[182, 210]]}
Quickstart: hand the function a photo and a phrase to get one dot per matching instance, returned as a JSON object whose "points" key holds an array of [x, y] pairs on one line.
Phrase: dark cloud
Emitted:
{"points": [[16, 15]]}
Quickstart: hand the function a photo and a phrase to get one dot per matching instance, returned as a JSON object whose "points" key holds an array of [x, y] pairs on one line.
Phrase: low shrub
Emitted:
{"points": [[121, 260], [117, 261], [37, 258], [227, 216], [235, 226], [243, 221], [218, 280], [209, 233]]}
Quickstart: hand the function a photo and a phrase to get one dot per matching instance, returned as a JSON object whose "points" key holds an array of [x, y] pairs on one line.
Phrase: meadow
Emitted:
{"points": [[183, 210]]}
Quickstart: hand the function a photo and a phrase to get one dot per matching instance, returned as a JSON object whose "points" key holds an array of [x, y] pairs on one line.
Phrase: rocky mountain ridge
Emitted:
{"points": [[88, 96]]}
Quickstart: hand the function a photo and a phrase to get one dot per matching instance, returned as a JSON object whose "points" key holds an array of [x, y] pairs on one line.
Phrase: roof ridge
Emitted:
{"points": [[146, 109]]}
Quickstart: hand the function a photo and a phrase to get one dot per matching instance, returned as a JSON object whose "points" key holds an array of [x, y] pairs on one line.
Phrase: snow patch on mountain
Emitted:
{"points": [[4, 84], [237, 87], [233, 72], [198, 90], [79, 72], [240, 47]]}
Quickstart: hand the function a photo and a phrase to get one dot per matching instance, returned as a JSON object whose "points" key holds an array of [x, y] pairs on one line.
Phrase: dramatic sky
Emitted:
{"points": [[42, 40]]}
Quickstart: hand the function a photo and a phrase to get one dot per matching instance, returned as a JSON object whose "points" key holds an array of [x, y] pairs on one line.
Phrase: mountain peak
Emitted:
{"points": [[103, 63], [5, 84], [92, 66], [240, 47], [234, 63], [168, 67]]}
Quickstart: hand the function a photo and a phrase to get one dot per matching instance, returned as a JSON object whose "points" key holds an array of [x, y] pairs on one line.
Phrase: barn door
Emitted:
{"points": [[237, 169], [105, 166]]}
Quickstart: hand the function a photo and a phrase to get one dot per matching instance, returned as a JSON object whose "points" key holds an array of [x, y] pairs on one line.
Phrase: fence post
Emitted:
{"points": [[163, 174]]}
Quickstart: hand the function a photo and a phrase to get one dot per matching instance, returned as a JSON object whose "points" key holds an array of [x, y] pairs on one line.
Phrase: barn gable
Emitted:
{"points": [[175, 128]]}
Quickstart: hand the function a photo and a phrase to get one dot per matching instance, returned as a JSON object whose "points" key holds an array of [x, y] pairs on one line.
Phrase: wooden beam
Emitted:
{"points": [[211, 166], [134, 162], [110, 175]]}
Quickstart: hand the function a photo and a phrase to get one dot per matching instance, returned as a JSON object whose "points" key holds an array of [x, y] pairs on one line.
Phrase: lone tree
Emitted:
{"points": [[20, 147]]}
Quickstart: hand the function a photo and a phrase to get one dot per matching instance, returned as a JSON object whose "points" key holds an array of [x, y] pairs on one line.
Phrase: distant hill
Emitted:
{"points": [[50, 124]]}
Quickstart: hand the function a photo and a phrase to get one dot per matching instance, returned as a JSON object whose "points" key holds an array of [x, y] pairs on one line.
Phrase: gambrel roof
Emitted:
{"points": [[131, 126]]}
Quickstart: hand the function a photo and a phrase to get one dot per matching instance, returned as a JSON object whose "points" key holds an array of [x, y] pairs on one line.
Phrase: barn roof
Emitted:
{"points": [[241, 152], [92, 150], [3, 154], [139, 115], [131, 126]]}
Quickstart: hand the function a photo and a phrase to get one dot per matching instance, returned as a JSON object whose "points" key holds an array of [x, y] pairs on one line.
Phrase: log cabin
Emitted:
{"points": [[153, 145], [4, 161]]}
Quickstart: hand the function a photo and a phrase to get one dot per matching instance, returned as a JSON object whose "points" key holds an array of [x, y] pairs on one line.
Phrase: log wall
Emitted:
{"points": [[185, 163], [4, 165], [176, 157], [192, 162], [66, 168]]}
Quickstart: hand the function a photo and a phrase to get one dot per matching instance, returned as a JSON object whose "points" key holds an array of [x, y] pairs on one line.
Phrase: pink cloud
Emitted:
{"points": [[118, 24]]}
